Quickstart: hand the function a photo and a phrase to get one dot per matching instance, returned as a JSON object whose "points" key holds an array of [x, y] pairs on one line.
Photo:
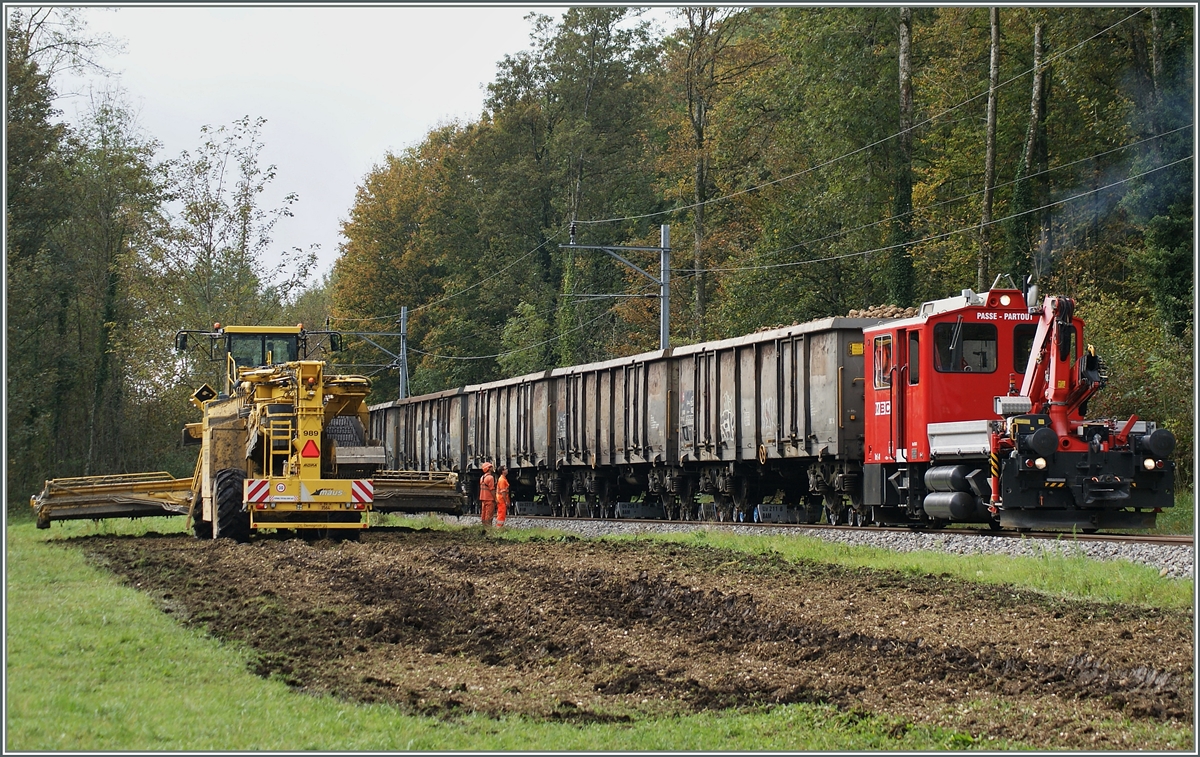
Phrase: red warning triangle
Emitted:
{"points": [[310, 449]]}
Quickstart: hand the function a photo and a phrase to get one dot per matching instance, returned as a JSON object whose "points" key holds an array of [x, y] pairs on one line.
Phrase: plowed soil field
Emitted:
{"points": [[444, 622]]}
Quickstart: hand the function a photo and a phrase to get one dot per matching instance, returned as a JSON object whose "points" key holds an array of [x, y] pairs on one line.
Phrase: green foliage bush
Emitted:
{"points": [[1150, 370]]}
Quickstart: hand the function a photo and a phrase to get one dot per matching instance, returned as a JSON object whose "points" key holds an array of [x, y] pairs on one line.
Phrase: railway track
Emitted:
{"points": [[1125, 538]]}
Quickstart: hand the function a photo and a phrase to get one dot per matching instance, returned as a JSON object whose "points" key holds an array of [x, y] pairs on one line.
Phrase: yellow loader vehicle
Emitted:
{"points": [[282, 447]]}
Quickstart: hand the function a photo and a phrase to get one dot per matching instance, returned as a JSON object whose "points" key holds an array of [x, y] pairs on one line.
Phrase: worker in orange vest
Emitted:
{"points": [[503, 498], [487, 495]]}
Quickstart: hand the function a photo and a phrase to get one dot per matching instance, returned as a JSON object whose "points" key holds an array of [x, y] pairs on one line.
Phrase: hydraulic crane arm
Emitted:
{"points": [[1054, 382]]}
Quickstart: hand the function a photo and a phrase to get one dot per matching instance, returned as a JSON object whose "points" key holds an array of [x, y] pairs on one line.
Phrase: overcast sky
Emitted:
{"points": [[339, 86]]}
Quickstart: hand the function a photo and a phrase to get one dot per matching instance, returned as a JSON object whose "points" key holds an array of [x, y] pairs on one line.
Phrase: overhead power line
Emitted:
{"points": [[440, 300], [526, 348], [852, 153], [914, 211], [943, 235]]}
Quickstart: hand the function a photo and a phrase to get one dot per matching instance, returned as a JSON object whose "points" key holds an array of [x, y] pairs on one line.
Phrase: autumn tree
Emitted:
{"points": [[900, 267], [35, 280], [1164, 198], [219, 250], [817, 177], [713, 50]]}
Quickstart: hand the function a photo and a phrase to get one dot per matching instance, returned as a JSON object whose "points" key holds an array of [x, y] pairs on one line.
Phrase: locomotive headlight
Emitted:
{"points": [[1148, 463], [1005, 299], [1040, 463]]}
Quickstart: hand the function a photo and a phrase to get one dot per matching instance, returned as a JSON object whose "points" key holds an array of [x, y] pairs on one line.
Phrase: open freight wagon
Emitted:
{"points": [[737, 419]]}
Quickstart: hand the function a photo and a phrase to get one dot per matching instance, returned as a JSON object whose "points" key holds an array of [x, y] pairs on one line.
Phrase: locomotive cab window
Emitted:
{"points": [[1066, 346], [1022, 344], [964, 347], [882, 354], [914, 357]]}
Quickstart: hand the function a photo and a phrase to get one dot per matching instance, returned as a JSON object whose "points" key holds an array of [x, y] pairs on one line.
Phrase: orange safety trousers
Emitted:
{"points": [[487, 499], [502, 500]]}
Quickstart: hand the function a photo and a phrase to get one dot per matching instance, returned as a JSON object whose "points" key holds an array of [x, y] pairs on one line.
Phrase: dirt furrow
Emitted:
{"points": [[445, 622]]}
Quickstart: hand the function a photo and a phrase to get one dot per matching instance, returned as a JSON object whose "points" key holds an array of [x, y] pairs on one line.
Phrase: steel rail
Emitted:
{"points": [[1162, 539]]}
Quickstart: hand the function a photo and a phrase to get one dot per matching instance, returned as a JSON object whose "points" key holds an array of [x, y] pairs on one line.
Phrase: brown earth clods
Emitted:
{"points": [[447, 622]]}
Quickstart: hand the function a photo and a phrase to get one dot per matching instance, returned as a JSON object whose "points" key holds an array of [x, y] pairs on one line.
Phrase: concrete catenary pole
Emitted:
{"points": [[664, 322], [403, 351]]}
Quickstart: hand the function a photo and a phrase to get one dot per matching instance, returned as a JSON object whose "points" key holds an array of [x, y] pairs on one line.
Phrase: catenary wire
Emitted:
{"points": [[943, 235], [810, 169], [852, 153], [418, 308], [914, 211], [520, 349]]}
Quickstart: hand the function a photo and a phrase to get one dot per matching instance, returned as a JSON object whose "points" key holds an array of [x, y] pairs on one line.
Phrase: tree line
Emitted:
{"points": [[808, 160], [108, 250]]}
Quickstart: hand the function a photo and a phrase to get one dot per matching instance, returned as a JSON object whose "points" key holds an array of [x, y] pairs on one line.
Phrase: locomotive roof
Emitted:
{"points": [[968, 299]]}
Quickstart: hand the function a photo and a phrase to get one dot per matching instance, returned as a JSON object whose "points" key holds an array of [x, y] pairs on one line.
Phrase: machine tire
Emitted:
{"points": [[345, 534], [202, 529], [233, 522], [332, 532]]}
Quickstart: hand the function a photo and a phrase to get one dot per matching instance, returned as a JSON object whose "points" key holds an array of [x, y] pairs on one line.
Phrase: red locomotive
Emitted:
{"points": [[976, 411]]}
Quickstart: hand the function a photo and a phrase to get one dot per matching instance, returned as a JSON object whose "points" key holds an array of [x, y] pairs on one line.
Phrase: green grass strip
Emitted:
{"points": [[1052, 573], [1180, 519]]}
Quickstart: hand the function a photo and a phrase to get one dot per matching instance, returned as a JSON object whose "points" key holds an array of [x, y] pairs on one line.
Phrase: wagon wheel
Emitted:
{"points": [[723, 505], [605, 500], [686, 499], [671, 507], [860, 516], [834, 514], [834, 509], [741, 498]]}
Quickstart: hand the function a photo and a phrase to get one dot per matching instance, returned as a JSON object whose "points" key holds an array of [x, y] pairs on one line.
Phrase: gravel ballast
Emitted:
{"points": [[1174, 561]]}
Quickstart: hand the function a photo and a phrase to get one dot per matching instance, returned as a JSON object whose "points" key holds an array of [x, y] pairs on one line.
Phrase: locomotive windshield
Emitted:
{"points": [[1022, 344], [960, 347], [1023, 335]]}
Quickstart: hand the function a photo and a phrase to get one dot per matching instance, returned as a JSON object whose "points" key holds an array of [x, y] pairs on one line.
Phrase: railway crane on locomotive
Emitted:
{"points": [[976, 411]]}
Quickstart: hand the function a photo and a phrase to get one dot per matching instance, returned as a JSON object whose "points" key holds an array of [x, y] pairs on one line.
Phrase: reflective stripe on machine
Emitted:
{"points": [[362, 490], [258, 490]]}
